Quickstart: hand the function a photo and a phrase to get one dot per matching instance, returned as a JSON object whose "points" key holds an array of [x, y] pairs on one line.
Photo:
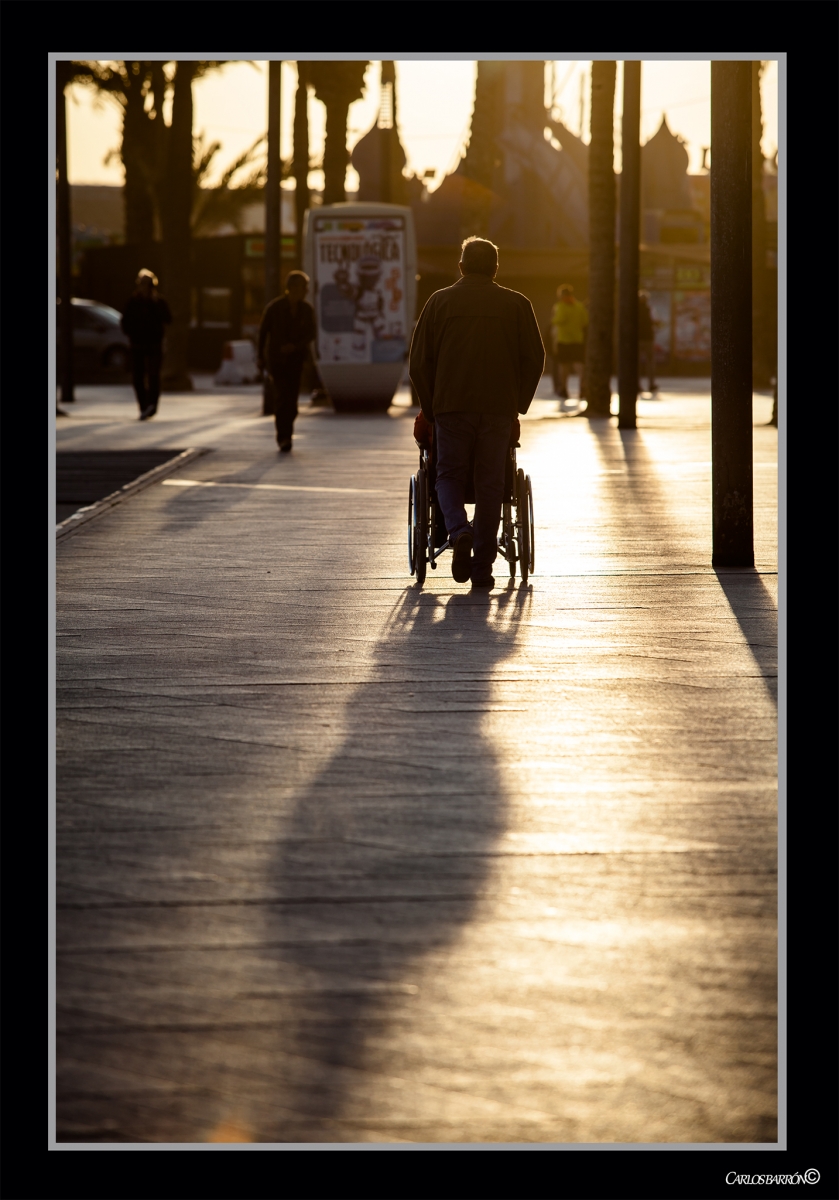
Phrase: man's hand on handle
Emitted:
{"points": [[423, 431]]}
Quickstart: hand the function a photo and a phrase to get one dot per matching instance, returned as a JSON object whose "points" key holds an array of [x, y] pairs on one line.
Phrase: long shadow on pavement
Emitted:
{"points": [[756, 611], [384, 859], [748, 597]]}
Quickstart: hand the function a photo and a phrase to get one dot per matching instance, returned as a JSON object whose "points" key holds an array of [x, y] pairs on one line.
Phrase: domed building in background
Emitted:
{"points": [[512, 185], [667, 203], [522, 181], [379, 156]]}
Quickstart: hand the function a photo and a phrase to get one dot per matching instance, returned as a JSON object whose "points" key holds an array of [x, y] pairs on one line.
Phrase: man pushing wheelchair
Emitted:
{"points": [[476, 360]]}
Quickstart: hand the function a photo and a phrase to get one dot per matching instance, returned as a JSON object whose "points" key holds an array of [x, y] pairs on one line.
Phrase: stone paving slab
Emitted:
{"points": [[344, 860]]}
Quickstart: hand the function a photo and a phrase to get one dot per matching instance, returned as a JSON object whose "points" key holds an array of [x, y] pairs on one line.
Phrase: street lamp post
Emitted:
{"points": [[65, 310], [731, 314], [630, 227], [272, 207], [386, 126]]}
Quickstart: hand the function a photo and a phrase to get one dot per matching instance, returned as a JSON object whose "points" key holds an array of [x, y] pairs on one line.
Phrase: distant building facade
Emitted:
{"points": [[522, 181]]}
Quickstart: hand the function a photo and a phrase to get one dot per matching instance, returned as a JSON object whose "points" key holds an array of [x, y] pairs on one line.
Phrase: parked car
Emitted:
{"points": [[97, 336]]}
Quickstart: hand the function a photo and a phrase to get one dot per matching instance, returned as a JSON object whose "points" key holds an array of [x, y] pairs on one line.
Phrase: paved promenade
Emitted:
{"points": [[341, 860]]}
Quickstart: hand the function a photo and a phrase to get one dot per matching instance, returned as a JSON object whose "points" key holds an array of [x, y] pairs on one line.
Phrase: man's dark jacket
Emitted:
{"points": [[144, 318], [280, 327], [476, 348]]}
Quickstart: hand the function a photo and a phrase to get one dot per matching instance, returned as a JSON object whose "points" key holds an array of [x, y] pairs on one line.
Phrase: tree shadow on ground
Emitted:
{"points": [[748, 597], [756, 611]]}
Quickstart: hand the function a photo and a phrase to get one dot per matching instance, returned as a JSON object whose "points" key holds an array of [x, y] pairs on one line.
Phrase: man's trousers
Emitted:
{"points": [[146, 362], [460, 436], [286, 391]]}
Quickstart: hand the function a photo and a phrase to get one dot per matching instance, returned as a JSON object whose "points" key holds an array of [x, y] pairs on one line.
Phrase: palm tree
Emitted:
{"points": [[130, 84], [223, 202], [337, 85], [176, 195], [160, 183], [601, 193], [140, 89], [300, 155]]}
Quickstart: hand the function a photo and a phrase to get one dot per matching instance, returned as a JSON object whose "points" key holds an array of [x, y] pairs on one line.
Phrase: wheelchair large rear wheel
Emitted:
{"points": [[531, 524], [508, 545], [412, 554], [522, 525], [420, 524]]}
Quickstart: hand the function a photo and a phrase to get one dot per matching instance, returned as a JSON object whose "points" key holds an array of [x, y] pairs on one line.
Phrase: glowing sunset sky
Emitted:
{"points": [[434, 99]]}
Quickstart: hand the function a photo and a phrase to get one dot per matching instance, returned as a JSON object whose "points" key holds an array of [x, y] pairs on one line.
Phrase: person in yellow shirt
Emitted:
{"points": [[569, 320]]}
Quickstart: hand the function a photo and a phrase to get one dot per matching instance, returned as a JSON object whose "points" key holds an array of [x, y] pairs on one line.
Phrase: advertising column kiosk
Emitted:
{"points": [[362, 261]]}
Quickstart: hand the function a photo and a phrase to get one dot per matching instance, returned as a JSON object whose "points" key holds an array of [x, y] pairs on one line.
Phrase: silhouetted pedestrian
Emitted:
{"points": [[646, 343], [476, 360], [569, 321], [288, 326], [145, 315]]}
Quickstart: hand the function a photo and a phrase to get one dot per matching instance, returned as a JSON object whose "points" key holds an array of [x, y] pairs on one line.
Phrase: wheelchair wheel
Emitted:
{"points": [[531, 524], [412, 531], [419, 524], [508, 548], [522, 525]]}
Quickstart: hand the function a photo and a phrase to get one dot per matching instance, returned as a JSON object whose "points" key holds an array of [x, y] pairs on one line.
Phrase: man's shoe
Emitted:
{"points": [[285, 446], [147, 413], [462, 557], [483, 581]]}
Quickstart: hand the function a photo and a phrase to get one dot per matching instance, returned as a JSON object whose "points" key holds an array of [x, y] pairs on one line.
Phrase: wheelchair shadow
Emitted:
{"points": [[384, 860]]}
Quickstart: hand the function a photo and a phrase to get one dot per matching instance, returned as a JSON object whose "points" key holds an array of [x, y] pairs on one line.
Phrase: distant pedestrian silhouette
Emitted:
{"points": [[288, 328], [646, 343], [476, 360], [569, 322], [145, 315]]}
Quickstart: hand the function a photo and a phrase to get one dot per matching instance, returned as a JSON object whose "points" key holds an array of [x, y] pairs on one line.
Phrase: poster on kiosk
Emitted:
{"points": [[361, 259]]}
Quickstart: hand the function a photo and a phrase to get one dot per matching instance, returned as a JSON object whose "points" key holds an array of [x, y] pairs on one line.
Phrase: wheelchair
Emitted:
{"points": [[427, 536]]}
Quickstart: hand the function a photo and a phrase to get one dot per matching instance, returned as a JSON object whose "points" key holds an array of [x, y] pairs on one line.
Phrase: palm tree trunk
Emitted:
{"points": [[300, 157], [335, 156], [337, 85], [137, 199], [601, 191], [175, 219]]}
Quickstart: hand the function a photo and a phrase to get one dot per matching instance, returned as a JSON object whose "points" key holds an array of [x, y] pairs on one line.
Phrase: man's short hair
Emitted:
{"points": [[566, 289], [296, 277], [146, 274], [478, 256]]}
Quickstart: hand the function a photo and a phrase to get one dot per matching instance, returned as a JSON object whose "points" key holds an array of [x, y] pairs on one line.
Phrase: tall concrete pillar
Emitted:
{"points": [[630, 231], [731, 314]]}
